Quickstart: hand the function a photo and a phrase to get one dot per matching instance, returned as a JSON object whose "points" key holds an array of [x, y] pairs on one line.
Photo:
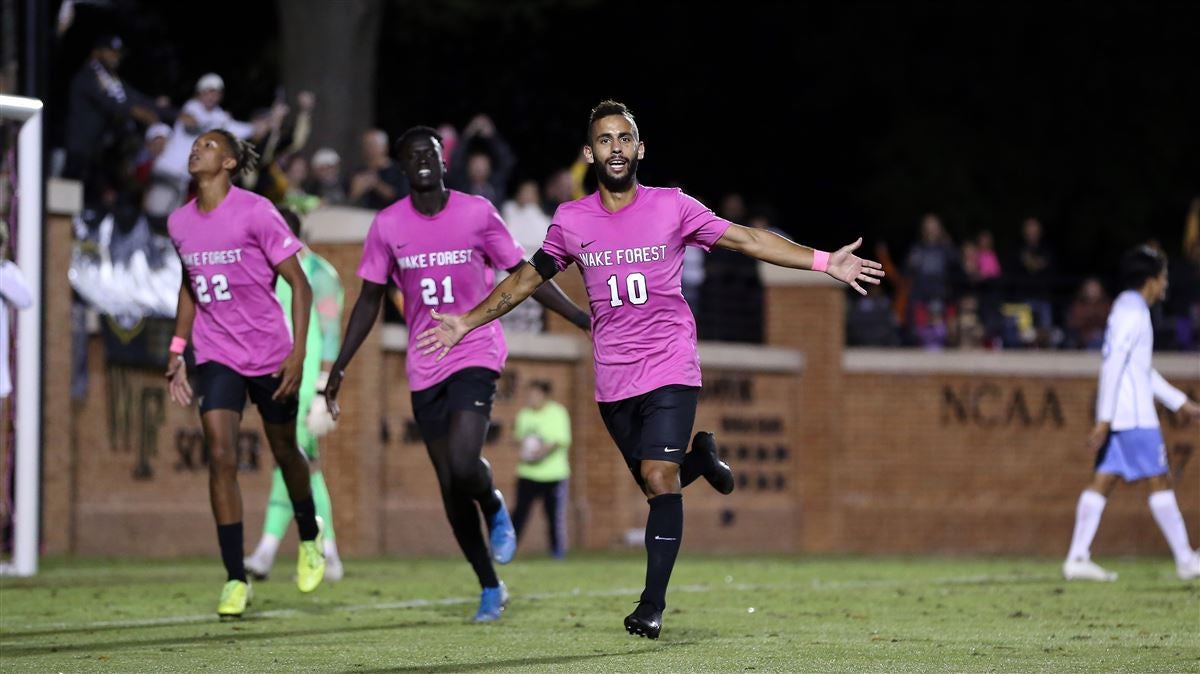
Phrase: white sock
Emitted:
{"points": [[1170, 520], [331, 552], [268, 545], [1087, 520]]}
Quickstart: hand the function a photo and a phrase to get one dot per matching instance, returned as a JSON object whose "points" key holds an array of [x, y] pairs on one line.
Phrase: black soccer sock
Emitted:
{"points": [[306, 517], [664, 531], [695, 465], [487, 499], [464, 521], [230, 537]]}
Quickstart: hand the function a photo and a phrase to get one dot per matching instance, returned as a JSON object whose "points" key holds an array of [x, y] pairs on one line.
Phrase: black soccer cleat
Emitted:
{"points": [[645, 621], [719, 474]]}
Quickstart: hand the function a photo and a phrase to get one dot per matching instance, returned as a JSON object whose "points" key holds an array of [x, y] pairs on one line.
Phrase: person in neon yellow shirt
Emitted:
{"points": [[543, 432], [313, 419]]}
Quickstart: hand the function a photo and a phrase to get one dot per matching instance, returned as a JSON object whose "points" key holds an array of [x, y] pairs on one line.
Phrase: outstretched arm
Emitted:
{"points": [[552, 297], [842, 264], [362, 319], [451, 328]]}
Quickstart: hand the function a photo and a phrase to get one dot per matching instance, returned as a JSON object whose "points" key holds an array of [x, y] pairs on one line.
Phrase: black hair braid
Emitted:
{"points": [[243, 152]]}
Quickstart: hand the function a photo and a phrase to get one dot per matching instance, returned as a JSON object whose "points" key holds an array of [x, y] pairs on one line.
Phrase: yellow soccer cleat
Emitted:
{"points": [[235, 597], [310, 565]]}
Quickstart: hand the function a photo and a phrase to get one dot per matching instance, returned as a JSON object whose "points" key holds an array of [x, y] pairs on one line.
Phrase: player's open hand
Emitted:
{"points": [[178, 386], [1097, 436], [332, 386], [289, 373], [849, 268], [451, 328]]}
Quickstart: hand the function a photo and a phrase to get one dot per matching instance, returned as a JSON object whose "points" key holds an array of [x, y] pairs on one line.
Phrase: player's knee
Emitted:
{"points": [[468, 477], [222, 458], [660, 479]]}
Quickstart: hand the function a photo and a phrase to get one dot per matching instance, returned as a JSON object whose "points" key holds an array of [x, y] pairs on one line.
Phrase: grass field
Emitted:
{"points": [[811, 614]]}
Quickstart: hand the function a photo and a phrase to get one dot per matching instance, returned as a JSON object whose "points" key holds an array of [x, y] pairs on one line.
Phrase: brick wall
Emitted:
{"points": [[907, 453]]}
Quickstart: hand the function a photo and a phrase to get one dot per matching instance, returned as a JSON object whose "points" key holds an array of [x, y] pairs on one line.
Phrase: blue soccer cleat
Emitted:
{"points": [[503, 536], [491, 603]]}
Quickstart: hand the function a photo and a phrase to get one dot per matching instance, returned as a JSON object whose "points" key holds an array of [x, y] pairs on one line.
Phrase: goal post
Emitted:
{"points": [[27, 393]]}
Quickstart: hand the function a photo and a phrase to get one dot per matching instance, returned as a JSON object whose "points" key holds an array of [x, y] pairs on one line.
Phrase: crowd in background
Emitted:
{"points": [[970, 295], [130, 151]]}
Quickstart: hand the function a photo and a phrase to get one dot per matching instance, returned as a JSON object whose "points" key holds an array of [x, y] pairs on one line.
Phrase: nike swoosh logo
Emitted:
{"points": [[479, 404], [660, 538], [585, 245], [668, 449]]}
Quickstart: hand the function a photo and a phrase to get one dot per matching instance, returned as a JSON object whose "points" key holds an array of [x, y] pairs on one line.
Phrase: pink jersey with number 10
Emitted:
{"points": [[442, 262], [643, 333], [230, 255]]}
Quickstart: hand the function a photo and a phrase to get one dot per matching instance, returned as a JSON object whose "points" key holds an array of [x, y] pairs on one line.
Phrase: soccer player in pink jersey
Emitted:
{"points": [[440, 247], [233, 245], [628, 241]]}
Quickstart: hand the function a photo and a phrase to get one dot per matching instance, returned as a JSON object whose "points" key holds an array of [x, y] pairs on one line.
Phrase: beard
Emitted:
{"points": [[620, 183]]}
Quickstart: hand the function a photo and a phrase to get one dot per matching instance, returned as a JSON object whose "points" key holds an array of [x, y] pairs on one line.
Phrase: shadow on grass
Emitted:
{"points": [[12, 650], [490, 665]]}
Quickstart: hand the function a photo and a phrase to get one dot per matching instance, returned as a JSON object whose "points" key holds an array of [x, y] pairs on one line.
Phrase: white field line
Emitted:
{"points": [[7, 635]]}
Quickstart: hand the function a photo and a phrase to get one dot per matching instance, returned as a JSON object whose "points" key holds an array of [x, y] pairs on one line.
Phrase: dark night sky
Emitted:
{"points": [[847, 117]]}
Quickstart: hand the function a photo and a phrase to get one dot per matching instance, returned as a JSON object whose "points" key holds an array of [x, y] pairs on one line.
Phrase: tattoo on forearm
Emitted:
{"points": [[503, 305]]}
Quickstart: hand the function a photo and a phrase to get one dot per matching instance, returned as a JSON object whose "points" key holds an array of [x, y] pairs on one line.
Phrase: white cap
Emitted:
{"points": [[326, 156], [158, 130], [210, 81]]}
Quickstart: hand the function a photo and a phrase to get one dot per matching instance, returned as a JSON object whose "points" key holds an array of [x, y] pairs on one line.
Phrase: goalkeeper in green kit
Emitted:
{"points": [[313, 419]]}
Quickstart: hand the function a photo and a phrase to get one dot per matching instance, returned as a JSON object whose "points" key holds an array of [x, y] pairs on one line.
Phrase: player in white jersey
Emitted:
{"points": [[1126, 437]]}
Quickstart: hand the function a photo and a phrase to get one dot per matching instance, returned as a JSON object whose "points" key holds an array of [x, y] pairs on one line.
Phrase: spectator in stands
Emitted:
{"points": [[199, 115], [732, 296], [102, 113], [870, 320], [296, 177], [528, 223], [1182, 307], [482, 161], [932, 266], [326, 182], [525, 218], [1088, 315], [269, 177], [763, 216], [155, 142], [381, 182], [1033, 273], [966, 329], [981, 266]]}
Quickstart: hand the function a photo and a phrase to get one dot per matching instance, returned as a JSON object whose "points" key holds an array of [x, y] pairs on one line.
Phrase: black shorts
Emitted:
{"points": [[654, 426], [220, 387], [471, 389]]}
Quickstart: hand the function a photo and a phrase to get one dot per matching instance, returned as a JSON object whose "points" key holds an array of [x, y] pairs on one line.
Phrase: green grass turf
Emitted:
{"points": [[812, 614]]}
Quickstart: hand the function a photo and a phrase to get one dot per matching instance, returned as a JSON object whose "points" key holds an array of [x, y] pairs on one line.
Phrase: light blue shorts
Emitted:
{"points": [[1135, 454]]}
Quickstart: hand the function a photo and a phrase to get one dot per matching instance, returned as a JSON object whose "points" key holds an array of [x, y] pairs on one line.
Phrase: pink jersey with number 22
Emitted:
{"points": [[229, 255]]}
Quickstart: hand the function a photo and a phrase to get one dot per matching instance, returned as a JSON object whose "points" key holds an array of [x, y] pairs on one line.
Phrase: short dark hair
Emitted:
{"points": [[542, 385], [292, 219], [606, 108], [243, 152], [1141, 264], [414, 133]]}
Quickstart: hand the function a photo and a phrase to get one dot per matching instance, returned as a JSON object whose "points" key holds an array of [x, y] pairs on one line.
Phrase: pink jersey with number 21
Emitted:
{"points": [[442, 262], [229, 255], [643, 333]]}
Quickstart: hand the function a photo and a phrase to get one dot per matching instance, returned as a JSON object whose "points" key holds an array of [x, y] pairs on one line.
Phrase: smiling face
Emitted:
{"points": [[423, 163], [210, 155], [614, 151]]}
